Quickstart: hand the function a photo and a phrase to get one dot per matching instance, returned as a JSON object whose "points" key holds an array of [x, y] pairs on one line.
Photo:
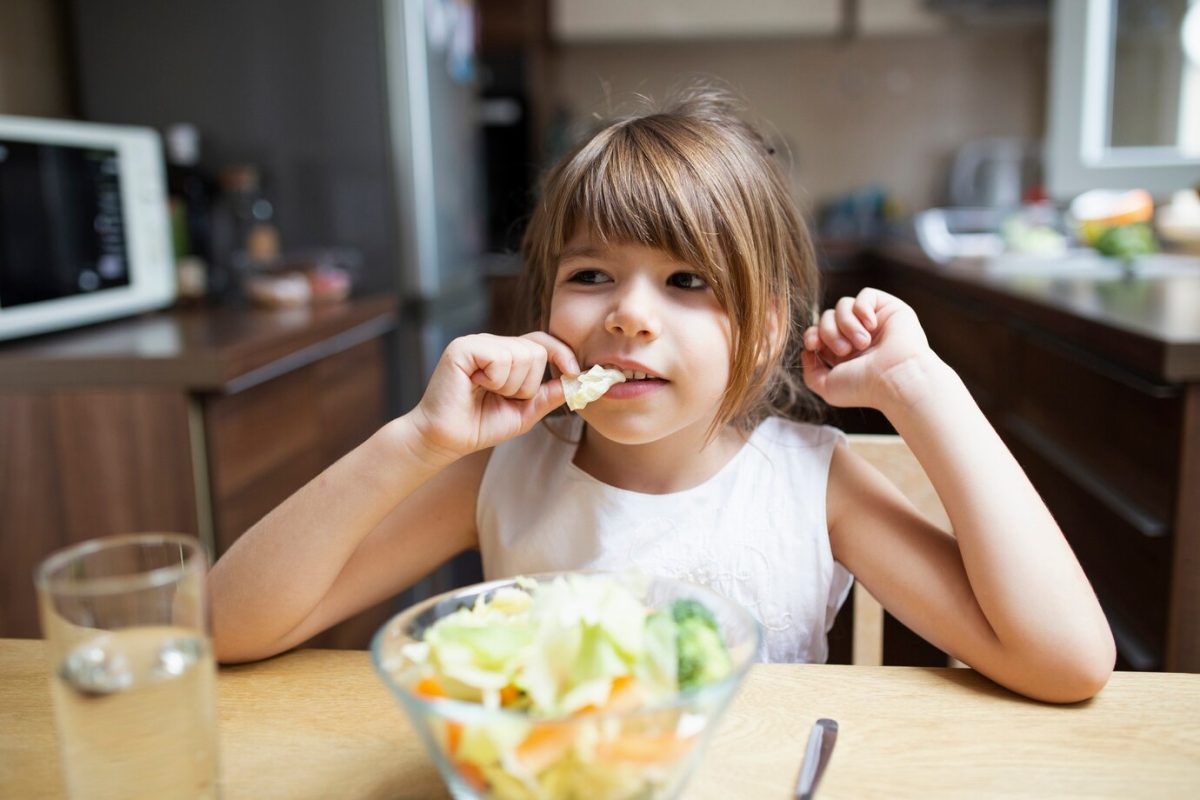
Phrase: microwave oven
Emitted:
{"points": [[84, 225]]}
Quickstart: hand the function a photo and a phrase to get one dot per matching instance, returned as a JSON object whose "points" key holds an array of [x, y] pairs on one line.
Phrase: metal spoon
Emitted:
{"points": [[816, 756]]}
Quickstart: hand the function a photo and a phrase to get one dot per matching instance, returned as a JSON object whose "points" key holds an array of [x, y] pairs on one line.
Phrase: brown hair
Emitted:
{"points": [[695, 180]]}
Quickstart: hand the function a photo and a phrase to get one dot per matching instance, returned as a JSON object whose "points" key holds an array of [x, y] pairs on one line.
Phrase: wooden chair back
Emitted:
{"points": [[891, 456]]}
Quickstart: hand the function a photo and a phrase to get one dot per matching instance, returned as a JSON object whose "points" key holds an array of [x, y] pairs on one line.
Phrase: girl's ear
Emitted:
{"points": [[776, 331], [777, 326]]}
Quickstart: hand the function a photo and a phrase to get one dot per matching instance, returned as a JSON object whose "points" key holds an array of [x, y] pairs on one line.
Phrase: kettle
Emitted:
{"points": [[990, 172]]}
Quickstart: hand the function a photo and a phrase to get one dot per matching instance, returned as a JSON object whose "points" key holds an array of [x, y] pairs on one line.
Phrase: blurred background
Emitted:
{"points": [[317, 96], [392, 148]]}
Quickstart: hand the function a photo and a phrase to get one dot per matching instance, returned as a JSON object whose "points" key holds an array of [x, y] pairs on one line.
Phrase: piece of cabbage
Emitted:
{"points": [[588, 386]]}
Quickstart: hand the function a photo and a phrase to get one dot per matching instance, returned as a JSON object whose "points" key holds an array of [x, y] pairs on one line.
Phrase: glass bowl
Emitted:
{"points": [[646, 752]]}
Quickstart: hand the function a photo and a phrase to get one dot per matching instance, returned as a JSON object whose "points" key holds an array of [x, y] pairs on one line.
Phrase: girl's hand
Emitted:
{"points": [[862, 351], [486, 389]]}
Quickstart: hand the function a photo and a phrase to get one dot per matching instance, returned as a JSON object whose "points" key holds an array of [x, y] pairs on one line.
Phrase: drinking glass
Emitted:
{"points": [[133, 677]]}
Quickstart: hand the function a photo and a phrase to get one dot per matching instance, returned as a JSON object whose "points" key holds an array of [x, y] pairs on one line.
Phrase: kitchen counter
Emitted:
{"points": [[1147, 321], [320, 724], [222, 349], [198, 421]]}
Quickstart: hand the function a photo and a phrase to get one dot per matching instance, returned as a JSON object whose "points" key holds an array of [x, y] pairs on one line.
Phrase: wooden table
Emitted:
{"points": [[319, 724]]}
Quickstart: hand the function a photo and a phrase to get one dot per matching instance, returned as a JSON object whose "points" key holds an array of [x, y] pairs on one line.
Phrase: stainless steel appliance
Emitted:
{"points": [[993, 172]]}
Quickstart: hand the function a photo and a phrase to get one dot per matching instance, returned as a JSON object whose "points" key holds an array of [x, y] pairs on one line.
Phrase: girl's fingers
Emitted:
{"points": [[811, 338], [533, 378], [831, 336], [559, 352], [528, 371], [849, 323], [515, 379], [522, 374], [515, 367], [864, 308], [498, 367], [493, 366], [548, 397], [816, 371]]}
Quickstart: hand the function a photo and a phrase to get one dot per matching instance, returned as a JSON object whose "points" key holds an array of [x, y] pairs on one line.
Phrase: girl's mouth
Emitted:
{"points": [[634, 374], [632, 388]]}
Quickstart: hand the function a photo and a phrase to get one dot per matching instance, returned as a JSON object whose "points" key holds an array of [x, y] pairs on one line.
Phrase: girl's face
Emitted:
{"points": [[638, 309]]}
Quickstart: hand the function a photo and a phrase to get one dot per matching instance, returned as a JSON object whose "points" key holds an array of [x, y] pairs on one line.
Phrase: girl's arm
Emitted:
{"points": [[1005, 593], [389, 511]]}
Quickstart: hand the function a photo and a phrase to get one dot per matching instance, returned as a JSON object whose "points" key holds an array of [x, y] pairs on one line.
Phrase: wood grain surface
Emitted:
{"points": [[320, 724]]}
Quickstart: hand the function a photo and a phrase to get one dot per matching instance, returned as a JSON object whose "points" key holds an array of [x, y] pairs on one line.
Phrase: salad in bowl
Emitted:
{"points": [[569, 685]]}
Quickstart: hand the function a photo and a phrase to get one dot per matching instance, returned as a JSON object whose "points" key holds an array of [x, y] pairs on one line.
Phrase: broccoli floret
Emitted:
{"points": [[685, 608], [701, 653]]}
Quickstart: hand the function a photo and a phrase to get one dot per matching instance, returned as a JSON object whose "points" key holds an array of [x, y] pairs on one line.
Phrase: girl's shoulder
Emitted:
{"points": [[785, 432], [801, 451]]}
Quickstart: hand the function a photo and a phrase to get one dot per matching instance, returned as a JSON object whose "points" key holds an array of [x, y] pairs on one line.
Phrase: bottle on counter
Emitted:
{"points": [[190, 192], [245, 237]]}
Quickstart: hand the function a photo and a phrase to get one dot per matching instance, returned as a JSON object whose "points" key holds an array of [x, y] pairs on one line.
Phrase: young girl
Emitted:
{"points": [[667, 246]]}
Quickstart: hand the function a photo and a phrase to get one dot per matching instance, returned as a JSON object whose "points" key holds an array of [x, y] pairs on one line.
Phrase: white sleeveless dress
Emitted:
{"points": [[755, 532]]}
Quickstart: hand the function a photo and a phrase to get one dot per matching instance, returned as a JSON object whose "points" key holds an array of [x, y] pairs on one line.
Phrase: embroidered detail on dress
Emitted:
{"points": [[732, 576]]}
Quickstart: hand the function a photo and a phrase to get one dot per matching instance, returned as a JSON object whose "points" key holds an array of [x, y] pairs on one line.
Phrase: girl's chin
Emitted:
{"points": [[627, 438], [626, 428]]}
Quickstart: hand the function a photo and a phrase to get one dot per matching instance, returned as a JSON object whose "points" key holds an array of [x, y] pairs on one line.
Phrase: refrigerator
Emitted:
{"points": [[362, 116]]}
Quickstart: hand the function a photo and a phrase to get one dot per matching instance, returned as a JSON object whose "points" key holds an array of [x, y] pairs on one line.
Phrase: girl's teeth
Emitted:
{"points": [[633, 375]]}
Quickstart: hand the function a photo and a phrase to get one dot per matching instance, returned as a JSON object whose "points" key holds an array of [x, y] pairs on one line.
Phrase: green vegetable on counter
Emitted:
{"points": [[1123, 241]]}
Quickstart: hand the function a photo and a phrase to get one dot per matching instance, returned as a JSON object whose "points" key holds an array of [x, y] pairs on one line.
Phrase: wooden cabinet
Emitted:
{"points": [[190, 421]]}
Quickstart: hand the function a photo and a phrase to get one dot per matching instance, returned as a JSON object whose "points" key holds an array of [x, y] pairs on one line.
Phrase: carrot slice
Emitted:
{"points": [[645, 748], [509, 695], [472, 774], [544, 745], [624, 695], [454, 732], [430, 687]]}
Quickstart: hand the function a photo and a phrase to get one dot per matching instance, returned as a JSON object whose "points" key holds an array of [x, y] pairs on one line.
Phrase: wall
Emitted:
{"points": [[33, 71], [890, 110]]}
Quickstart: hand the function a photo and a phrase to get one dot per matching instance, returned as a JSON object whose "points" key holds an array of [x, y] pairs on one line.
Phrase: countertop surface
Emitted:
{"points": [[320, 724], [1147, 318], [203, 349]]}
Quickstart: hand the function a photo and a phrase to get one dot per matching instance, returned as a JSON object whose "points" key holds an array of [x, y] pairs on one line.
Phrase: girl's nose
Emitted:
{"points": [[634, 313]]}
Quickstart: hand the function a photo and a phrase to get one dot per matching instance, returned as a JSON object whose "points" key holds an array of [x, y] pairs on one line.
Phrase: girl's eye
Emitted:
{"points": [[588, 276], [687, 280]]}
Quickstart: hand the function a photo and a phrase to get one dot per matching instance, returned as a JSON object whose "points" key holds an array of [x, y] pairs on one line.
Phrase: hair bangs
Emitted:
{"points": [[638, 190]]}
